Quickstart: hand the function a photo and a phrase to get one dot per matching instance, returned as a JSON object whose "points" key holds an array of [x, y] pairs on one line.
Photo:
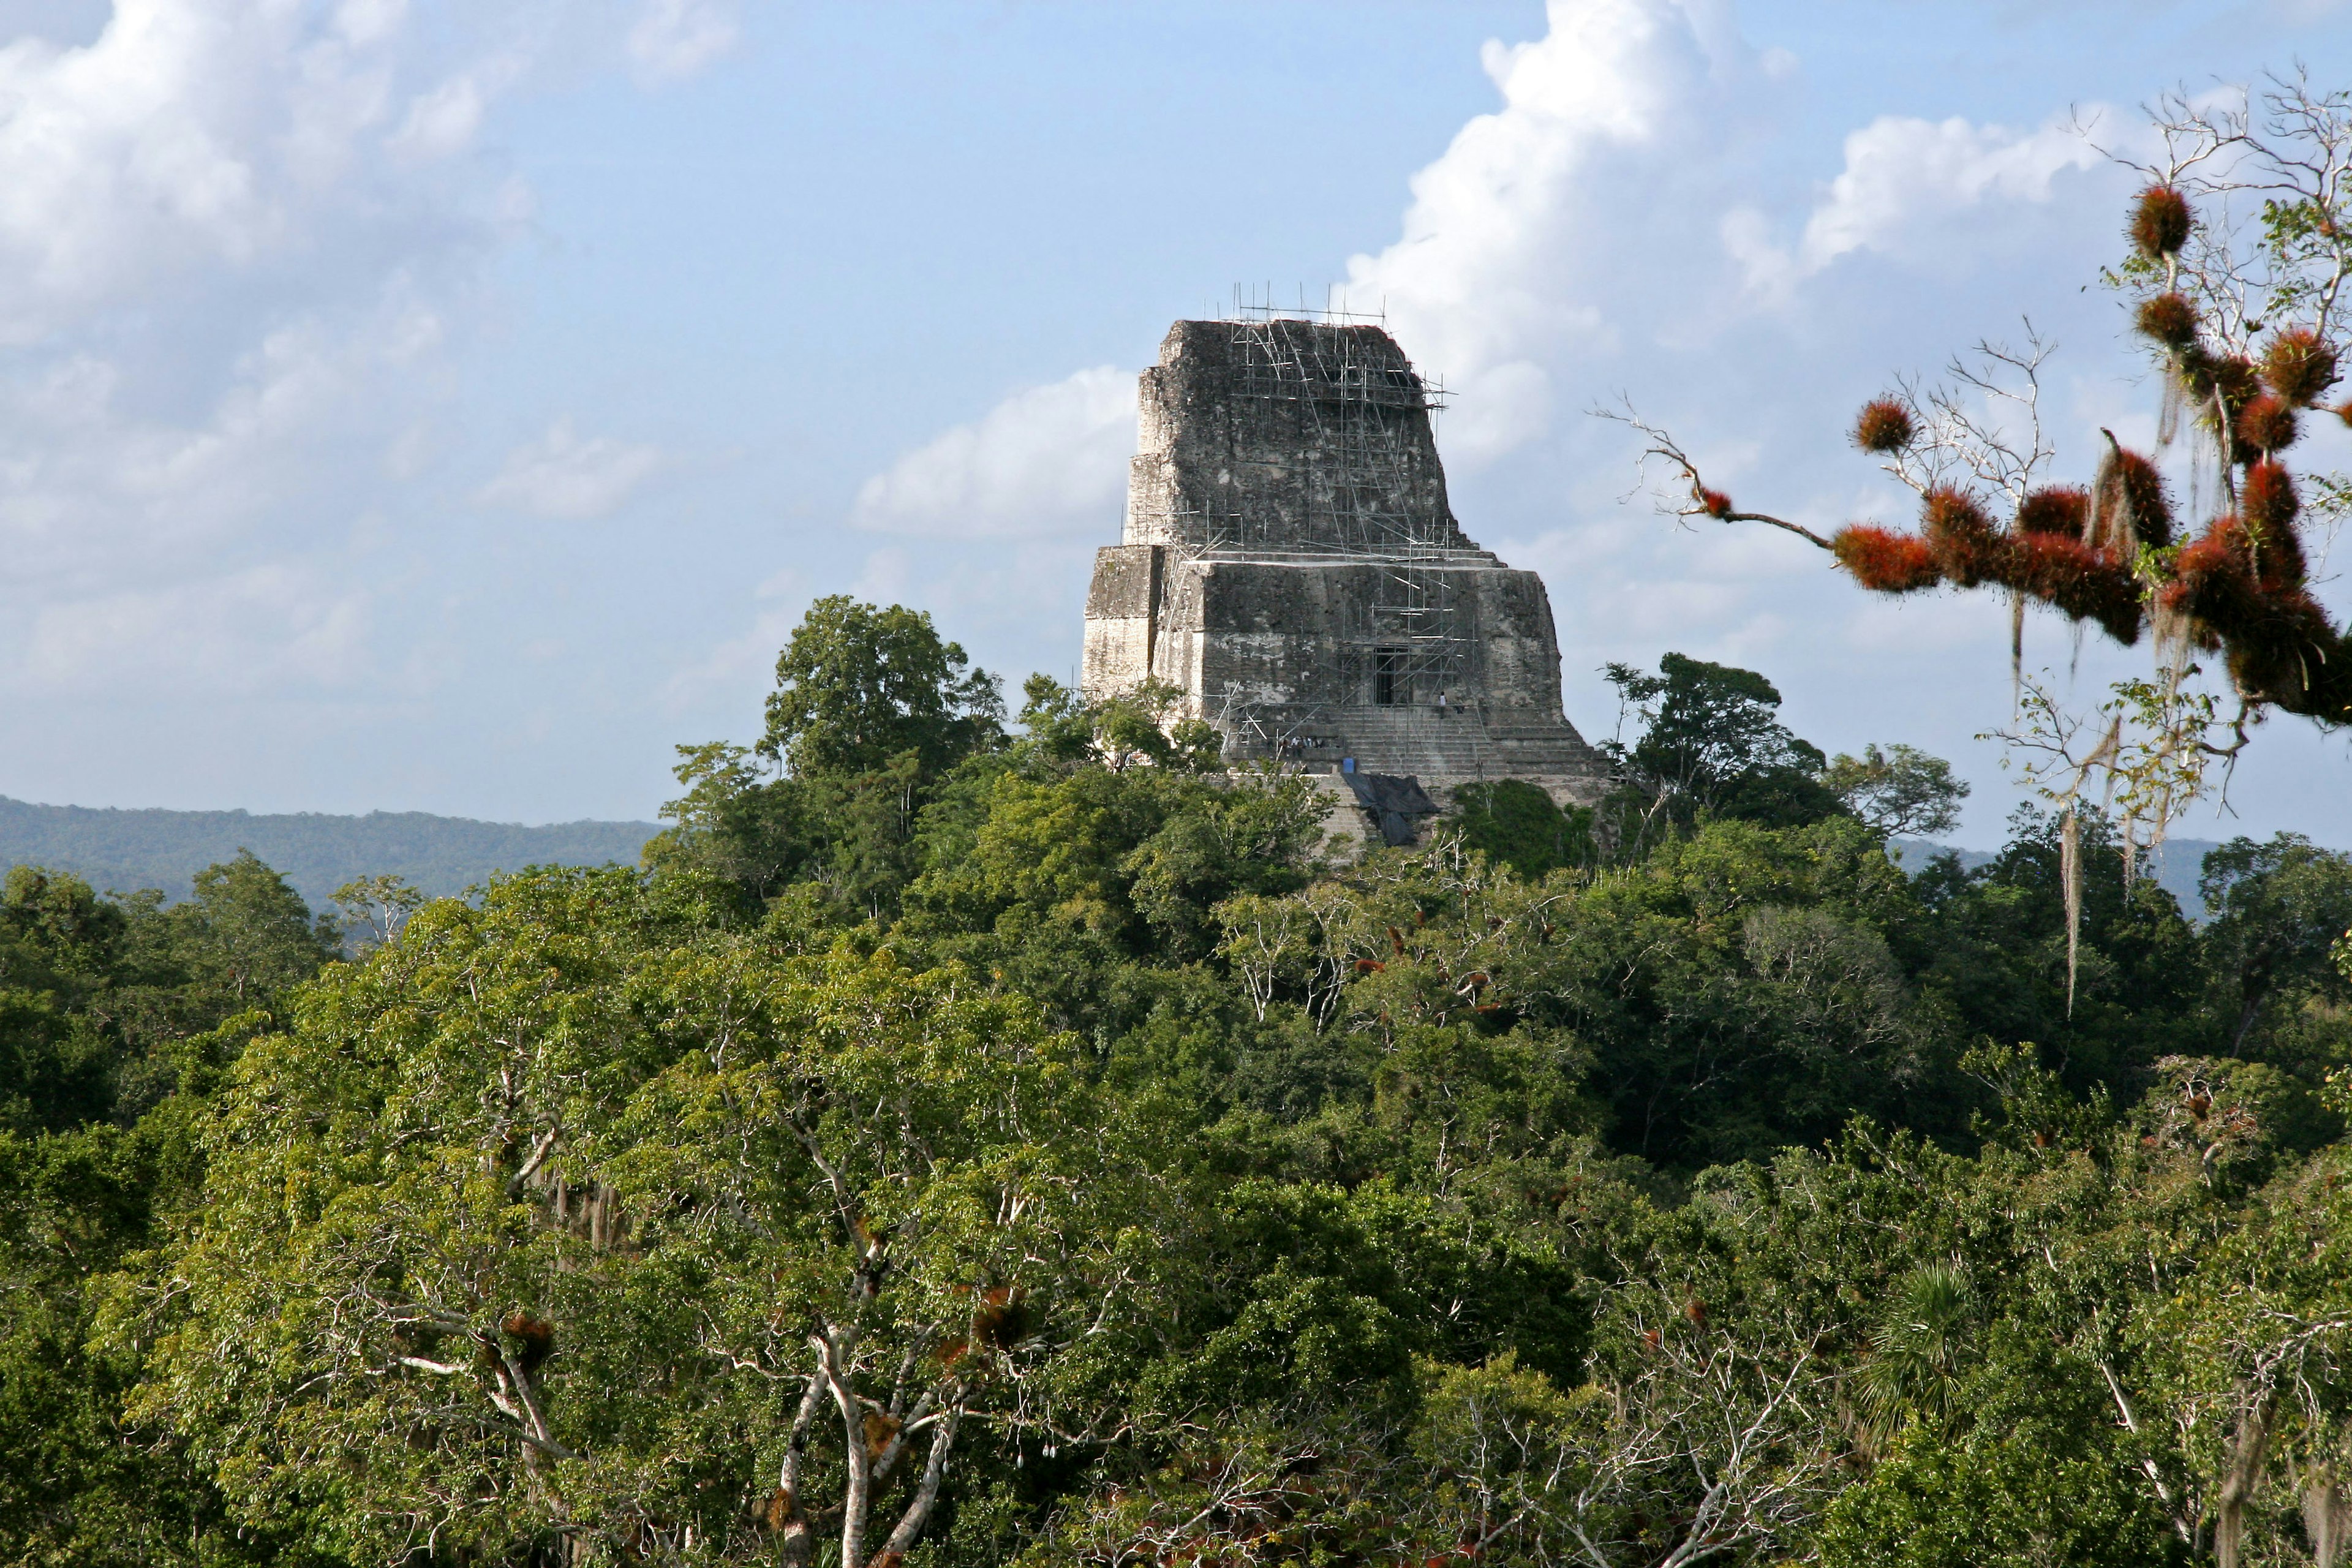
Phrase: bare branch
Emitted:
{"points": [[1701, 501]]}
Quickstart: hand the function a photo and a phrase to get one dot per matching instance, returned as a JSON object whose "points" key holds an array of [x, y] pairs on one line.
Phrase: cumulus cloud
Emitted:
{"points": [[562, 476], [231, 242], [1049, 459], [190, 138], [237, 241], [1515, 251], [1907, 185], [673, 39]]}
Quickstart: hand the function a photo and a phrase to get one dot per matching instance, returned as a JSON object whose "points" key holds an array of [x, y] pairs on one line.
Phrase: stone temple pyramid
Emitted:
{"points": [[1291, 565]]}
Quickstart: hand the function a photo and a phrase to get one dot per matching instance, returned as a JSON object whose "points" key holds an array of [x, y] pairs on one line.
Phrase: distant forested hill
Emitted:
{"points": [[2174, 867], [126, 851]]}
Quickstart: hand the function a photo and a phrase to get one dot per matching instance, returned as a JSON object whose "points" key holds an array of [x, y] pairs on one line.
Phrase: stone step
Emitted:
{"points": [[1463, 747]]}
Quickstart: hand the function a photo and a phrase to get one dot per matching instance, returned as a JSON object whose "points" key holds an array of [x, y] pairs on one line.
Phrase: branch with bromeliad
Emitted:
{"points": [[2243, 313]]}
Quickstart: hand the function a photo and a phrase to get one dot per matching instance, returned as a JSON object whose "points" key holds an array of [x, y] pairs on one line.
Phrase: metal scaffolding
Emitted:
{"points": [[1303, 386]]}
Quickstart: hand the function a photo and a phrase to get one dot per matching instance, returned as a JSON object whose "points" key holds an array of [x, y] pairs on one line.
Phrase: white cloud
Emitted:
{"points": [[1516, 257], [184, 136], [673, 39], [1606, 210], [1049, 459], [236, 241], [97, 490], [220, 280], [442, 121], [1514, 247], [1912, 189], [271, 628], [562, 476]]}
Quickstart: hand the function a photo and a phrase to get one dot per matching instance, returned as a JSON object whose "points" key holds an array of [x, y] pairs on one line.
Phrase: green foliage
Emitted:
{"points": [[59, 945], [858, 687], [955, 1149], [1711, 742], [2278, 908], [1899, 790], [1519, 825], [873, 718], [113, 1020], [1995, 948], [2052, 1482], [556, 1195]]}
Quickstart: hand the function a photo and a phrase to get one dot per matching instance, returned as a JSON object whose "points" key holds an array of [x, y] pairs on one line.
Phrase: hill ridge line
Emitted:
{"points": [[125, 848]]}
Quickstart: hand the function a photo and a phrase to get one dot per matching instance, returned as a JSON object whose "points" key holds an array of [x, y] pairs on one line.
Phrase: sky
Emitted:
{"points": [[453, 407]]}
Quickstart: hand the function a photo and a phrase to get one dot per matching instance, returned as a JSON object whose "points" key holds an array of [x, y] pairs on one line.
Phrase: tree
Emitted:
{"points": [[96, 993], [871, 715], [60, 946], [244, 935], [1712, 741], [1899, 791], [1518, 823], [859, 686], [573, 1218], [107, 1039], [80, 1485], [2277, 909], [378, 906]]}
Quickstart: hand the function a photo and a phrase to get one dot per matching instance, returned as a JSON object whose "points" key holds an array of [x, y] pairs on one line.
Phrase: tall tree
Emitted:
{"points": [[871, 713], [1712, 741], [571, 1219], [859, 686]]}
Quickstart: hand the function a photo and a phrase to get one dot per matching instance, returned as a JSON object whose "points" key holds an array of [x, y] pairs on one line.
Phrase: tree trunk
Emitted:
{"points": [[919, 1512], [795, 1532], [834, 1346]]}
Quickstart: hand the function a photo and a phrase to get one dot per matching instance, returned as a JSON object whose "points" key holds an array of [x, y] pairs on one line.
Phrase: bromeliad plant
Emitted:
{"points": [[2241, 247], [2245, 315]]}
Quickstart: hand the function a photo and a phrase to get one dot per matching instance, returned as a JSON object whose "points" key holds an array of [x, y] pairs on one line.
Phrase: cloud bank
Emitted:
{"points": [[235, 244]]}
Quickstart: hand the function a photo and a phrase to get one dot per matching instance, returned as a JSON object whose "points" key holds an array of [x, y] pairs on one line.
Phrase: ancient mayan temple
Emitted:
{"points": [[1290, 561]]}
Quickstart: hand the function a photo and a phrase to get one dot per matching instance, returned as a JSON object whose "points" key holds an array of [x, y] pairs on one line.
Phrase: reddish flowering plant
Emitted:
{"points": [[2241, 256]]}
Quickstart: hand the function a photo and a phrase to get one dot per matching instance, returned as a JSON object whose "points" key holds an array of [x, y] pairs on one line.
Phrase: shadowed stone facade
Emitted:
{"points": [[1290, 561]]}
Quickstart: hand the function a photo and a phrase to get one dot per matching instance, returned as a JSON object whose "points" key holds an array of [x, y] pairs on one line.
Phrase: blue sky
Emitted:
{"points": [[451, 408]]}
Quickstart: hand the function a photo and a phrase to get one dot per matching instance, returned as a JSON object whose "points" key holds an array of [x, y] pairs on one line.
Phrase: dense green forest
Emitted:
{"points": [[316, 853], [971, 1139]]}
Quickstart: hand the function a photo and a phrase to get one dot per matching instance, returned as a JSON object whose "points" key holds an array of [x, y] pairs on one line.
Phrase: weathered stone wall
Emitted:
{"points": [[1122, 616], [1288, 436], [1291, 563]]}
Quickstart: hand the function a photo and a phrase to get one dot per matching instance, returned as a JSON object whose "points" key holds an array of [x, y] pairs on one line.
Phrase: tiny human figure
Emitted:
{"points": [[1441, 705]]}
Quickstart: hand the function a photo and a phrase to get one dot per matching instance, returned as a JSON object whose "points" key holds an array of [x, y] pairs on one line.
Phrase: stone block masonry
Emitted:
{"points": [[1290, 561]]}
